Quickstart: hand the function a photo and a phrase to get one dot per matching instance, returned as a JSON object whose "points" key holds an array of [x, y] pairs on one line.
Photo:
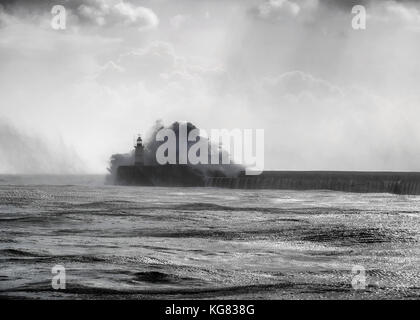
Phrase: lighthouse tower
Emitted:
{"points": [[139, 153]]}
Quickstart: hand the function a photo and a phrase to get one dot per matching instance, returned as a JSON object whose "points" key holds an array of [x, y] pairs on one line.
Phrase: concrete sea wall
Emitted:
{"points": [[362, 182]]}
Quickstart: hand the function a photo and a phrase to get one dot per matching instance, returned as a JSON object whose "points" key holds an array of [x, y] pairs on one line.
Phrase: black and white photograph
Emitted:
{"points": [[217, 150]]}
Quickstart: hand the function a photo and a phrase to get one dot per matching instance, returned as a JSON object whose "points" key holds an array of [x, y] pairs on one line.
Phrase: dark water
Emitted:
{"points": [[141, 243]]}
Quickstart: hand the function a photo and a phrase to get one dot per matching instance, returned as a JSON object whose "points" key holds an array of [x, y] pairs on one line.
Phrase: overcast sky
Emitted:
{"points": [[329, 97]]}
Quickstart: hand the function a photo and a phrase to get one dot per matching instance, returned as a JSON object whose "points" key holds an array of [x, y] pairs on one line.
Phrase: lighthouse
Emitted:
{"points": [[139, 152]]}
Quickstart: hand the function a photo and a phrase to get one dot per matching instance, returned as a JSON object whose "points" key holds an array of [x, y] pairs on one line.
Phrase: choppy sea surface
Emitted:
{"points": [[157, 243]]}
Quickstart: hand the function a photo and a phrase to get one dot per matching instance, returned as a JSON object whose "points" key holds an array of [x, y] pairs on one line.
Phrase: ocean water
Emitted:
{"points": [[157, 243]]}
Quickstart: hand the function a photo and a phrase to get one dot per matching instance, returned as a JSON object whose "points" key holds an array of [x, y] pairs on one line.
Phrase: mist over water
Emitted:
{"points": [[24, 153]]}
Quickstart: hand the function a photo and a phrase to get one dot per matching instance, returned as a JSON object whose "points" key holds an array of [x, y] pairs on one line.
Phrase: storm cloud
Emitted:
{"points": [[327, 96]]}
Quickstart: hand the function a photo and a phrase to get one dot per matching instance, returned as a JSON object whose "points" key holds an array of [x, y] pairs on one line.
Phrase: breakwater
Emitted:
{"points": [[407, 183], [363, 182], [163, 176]]}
